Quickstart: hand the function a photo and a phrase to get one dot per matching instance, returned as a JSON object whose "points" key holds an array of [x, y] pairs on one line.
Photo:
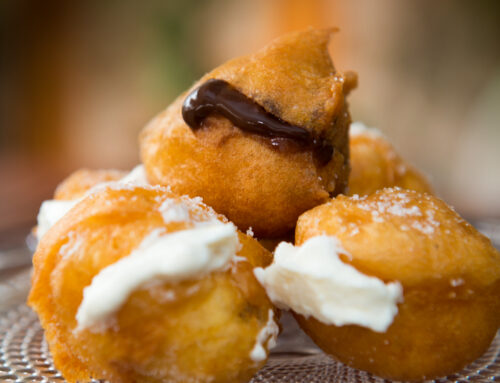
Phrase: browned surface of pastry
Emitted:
{"points": [[450, 275], [375, 165], [255, 181], [204, 334], [79, 182]]}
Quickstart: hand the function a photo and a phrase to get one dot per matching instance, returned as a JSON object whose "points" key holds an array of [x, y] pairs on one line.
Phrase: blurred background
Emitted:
{"points": [[79, 79]]}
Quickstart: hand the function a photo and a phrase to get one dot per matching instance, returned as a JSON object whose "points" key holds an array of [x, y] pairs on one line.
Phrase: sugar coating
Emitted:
{"points": [[186, 209], [399, 204], [457, 282], [174, 211]]}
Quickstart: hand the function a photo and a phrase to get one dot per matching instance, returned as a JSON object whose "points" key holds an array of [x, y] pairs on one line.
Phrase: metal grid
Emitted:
{"points": [[24, 357]]}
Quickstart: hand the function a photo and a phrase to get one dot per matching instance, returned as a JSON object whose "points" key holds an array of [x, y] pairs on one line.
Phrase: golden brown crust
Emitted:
{"points": [[79, 182], [240, 174], [375, 165], [427, 340], [293, 70], [450, 275], [204, 333]]}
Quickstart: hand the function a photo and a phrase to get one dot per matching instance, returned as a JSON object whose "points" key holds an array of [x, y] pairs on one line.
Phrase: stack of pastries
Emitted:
{"points": [[169, 273]]}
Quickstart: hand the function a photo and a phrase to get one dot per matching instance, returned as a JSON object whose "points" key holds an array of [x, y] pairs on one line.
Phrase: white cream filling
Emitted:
{"points": [[137, 176], [160, 257], [312, 280], [174, 211], [266, 339], [358, 128], [52, 211]]}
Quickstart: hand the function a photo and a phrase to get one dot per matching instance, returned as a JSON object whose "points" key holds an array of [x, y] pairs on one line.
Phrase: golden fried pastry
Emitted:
{"points": [[261, 138], [78, 185], [79, 182], [395, 283], [135, 284], [375, 164]]}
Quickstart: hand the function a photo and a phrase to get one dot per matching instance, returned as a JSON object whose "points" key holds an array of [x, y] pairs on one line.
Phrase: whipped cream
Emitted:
{"points": [[171, 257], [137, 176], [358, 128], [312, 280], [266, 339], [52, 211], [174, 211]]}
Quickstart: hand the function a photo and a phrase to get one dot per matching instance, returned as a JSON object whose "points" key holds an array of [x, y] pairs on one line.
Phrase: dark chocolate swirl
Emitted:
{"points": [[218, 96]]}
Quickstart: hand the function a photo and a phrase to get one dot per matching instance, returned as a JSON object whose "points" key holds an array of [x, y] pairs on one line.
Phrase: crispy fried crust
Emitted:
{"points": [[242, 175], [375, 165], [79, 182], [450, 275], [203, 332]]}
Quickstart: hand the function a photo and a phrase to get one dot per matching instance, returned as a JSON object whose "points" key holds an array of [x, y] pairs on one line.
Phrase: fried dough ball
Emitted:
{"points": [[79, 182], [69, 191], [76, 187], [253, 181], [450, 274], [208, 327], [375, 164]]}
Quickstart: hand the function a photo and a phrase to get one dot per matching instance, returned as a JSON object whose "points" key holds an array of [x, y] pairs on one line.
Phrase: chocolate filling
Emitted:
{"points": [[221, 97]]}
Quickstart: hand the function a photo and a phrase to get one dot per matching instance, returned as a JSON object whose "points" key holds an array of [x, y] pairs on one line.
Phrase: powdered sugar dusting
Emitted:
{"points": [[422, 227], [356, 197], [173, 211], [186, 209], [456, 282], [349, 228], [397, 202]]}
